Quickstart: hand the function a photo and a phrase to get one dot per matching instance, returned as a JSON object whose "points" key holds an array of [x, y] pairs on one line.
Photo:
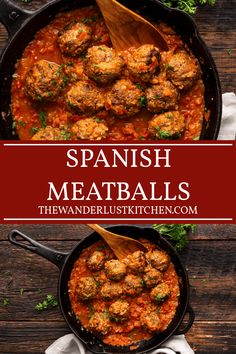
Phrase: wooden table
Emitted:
{"points": [[217, 26], [210, 259]]}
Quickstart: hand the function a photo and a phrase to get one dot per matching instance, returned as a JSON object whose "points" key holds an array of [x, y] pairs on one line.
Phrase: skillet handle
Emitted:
{"points": [[191, 316], [12, 16], [17, 238]]}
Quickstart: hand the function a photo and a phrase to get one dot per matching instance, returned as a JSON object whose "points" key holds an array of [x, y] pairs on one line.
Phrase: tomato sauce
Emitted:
{"points": [[129, 332], [28, 114]]}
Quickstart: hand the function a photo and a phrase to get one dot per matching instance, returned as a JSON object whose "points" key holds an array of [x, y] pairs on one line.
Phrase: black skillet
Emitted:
{"points": [[22, 26], [65, 262]]}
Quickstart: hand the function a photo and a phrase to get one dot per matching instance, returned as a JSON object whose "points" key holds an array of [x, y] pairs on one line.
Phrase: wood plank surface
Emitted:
{"points": [[210, 259]]}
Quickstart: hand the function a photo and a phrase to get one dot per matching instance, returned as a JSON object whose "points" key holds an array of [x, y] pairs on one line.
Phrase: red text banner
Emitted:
{"points": [[124, 182]]}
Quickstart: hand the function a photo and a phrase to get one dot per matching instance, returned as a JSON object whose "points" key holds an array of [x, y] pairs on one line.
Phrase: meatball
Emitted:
{"points": [[110, 291], [74, 39], [125, 99], [133, 285], [44, 81], [86, 288], [89, 128], [115, 270], [182, 70], [152, 277], [50, 133], [158, 259], [119, 310], [168, 125], [99, 324], [84, 97], [96, 261], [103, 64], [136, 261], [163, 96], [150, 321], [144, 62], [160, 293]]}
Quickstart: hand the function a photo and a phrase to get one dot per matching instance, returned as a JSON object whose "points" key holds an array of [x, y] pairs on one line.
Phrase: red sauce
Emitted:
{"points": [[128, 332], [44, 46]]}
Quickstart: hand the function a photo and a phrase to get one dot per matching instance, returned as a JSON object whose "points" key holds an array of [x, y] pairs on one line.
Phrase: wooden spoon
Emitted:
{"points": [[122, 246], [128, 29]]}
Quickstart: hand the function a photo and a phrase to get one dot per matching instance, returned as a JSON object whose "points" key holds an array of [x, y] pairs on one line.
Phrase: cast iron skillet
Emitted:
{"points": [[22, 25], [65, 262]]}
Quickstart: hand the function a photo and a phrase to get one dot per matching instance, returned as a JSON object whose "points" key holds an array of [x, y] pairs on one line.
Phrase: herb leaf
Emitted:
{"points": [[189, 6], [176, 233], [47, 303]]}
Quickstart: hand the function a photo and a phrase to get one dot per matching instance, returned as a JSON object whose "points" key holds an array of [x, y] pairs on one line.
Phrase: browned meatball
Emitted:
{"points": [[50, 133], [86, 288], [150, 321], [158, 259], [96, 260], [74, 39], [133, 285], [168, 125], [143, 62], [115, 270], [103, 64], [160, 293], [84, 97], [110, 291], [124, 99], [99, 324], [136, 261], [152, 276], [89, 128], [44, 81], [119, 310], [163, 96], [182, 70]]}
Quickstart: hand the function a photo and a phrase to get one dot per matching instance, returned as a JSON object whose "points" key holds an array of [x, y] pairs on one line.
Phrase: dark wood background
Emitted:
{"points": [[217, 25], [210, 258]]}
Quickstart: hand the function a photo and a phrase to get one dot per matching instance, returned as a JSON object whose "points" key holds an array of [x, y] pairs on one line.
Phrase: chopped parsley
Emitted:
{"points": [[139, 86], [229, 51], [143, 101], [6, 302], [43, 118], [170, 67], [49, 302], [34, 130]]}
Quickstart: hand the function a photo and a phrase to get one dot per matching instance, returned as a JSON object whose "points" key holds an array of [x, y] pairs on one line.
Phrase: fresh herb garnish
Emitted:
{"points": [[34, 130], [47, 303], [139, 86], [176, 233], [189, 6], [43, 118], [143, 101], [164, 135], [229, 51], [6, 302]]}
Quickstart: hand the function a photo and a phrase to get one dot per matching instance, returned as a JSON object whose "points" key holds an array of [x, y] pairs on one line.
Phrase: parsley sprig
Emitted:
{"points": [[189, 6], [177, 233], [47, 303]]}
